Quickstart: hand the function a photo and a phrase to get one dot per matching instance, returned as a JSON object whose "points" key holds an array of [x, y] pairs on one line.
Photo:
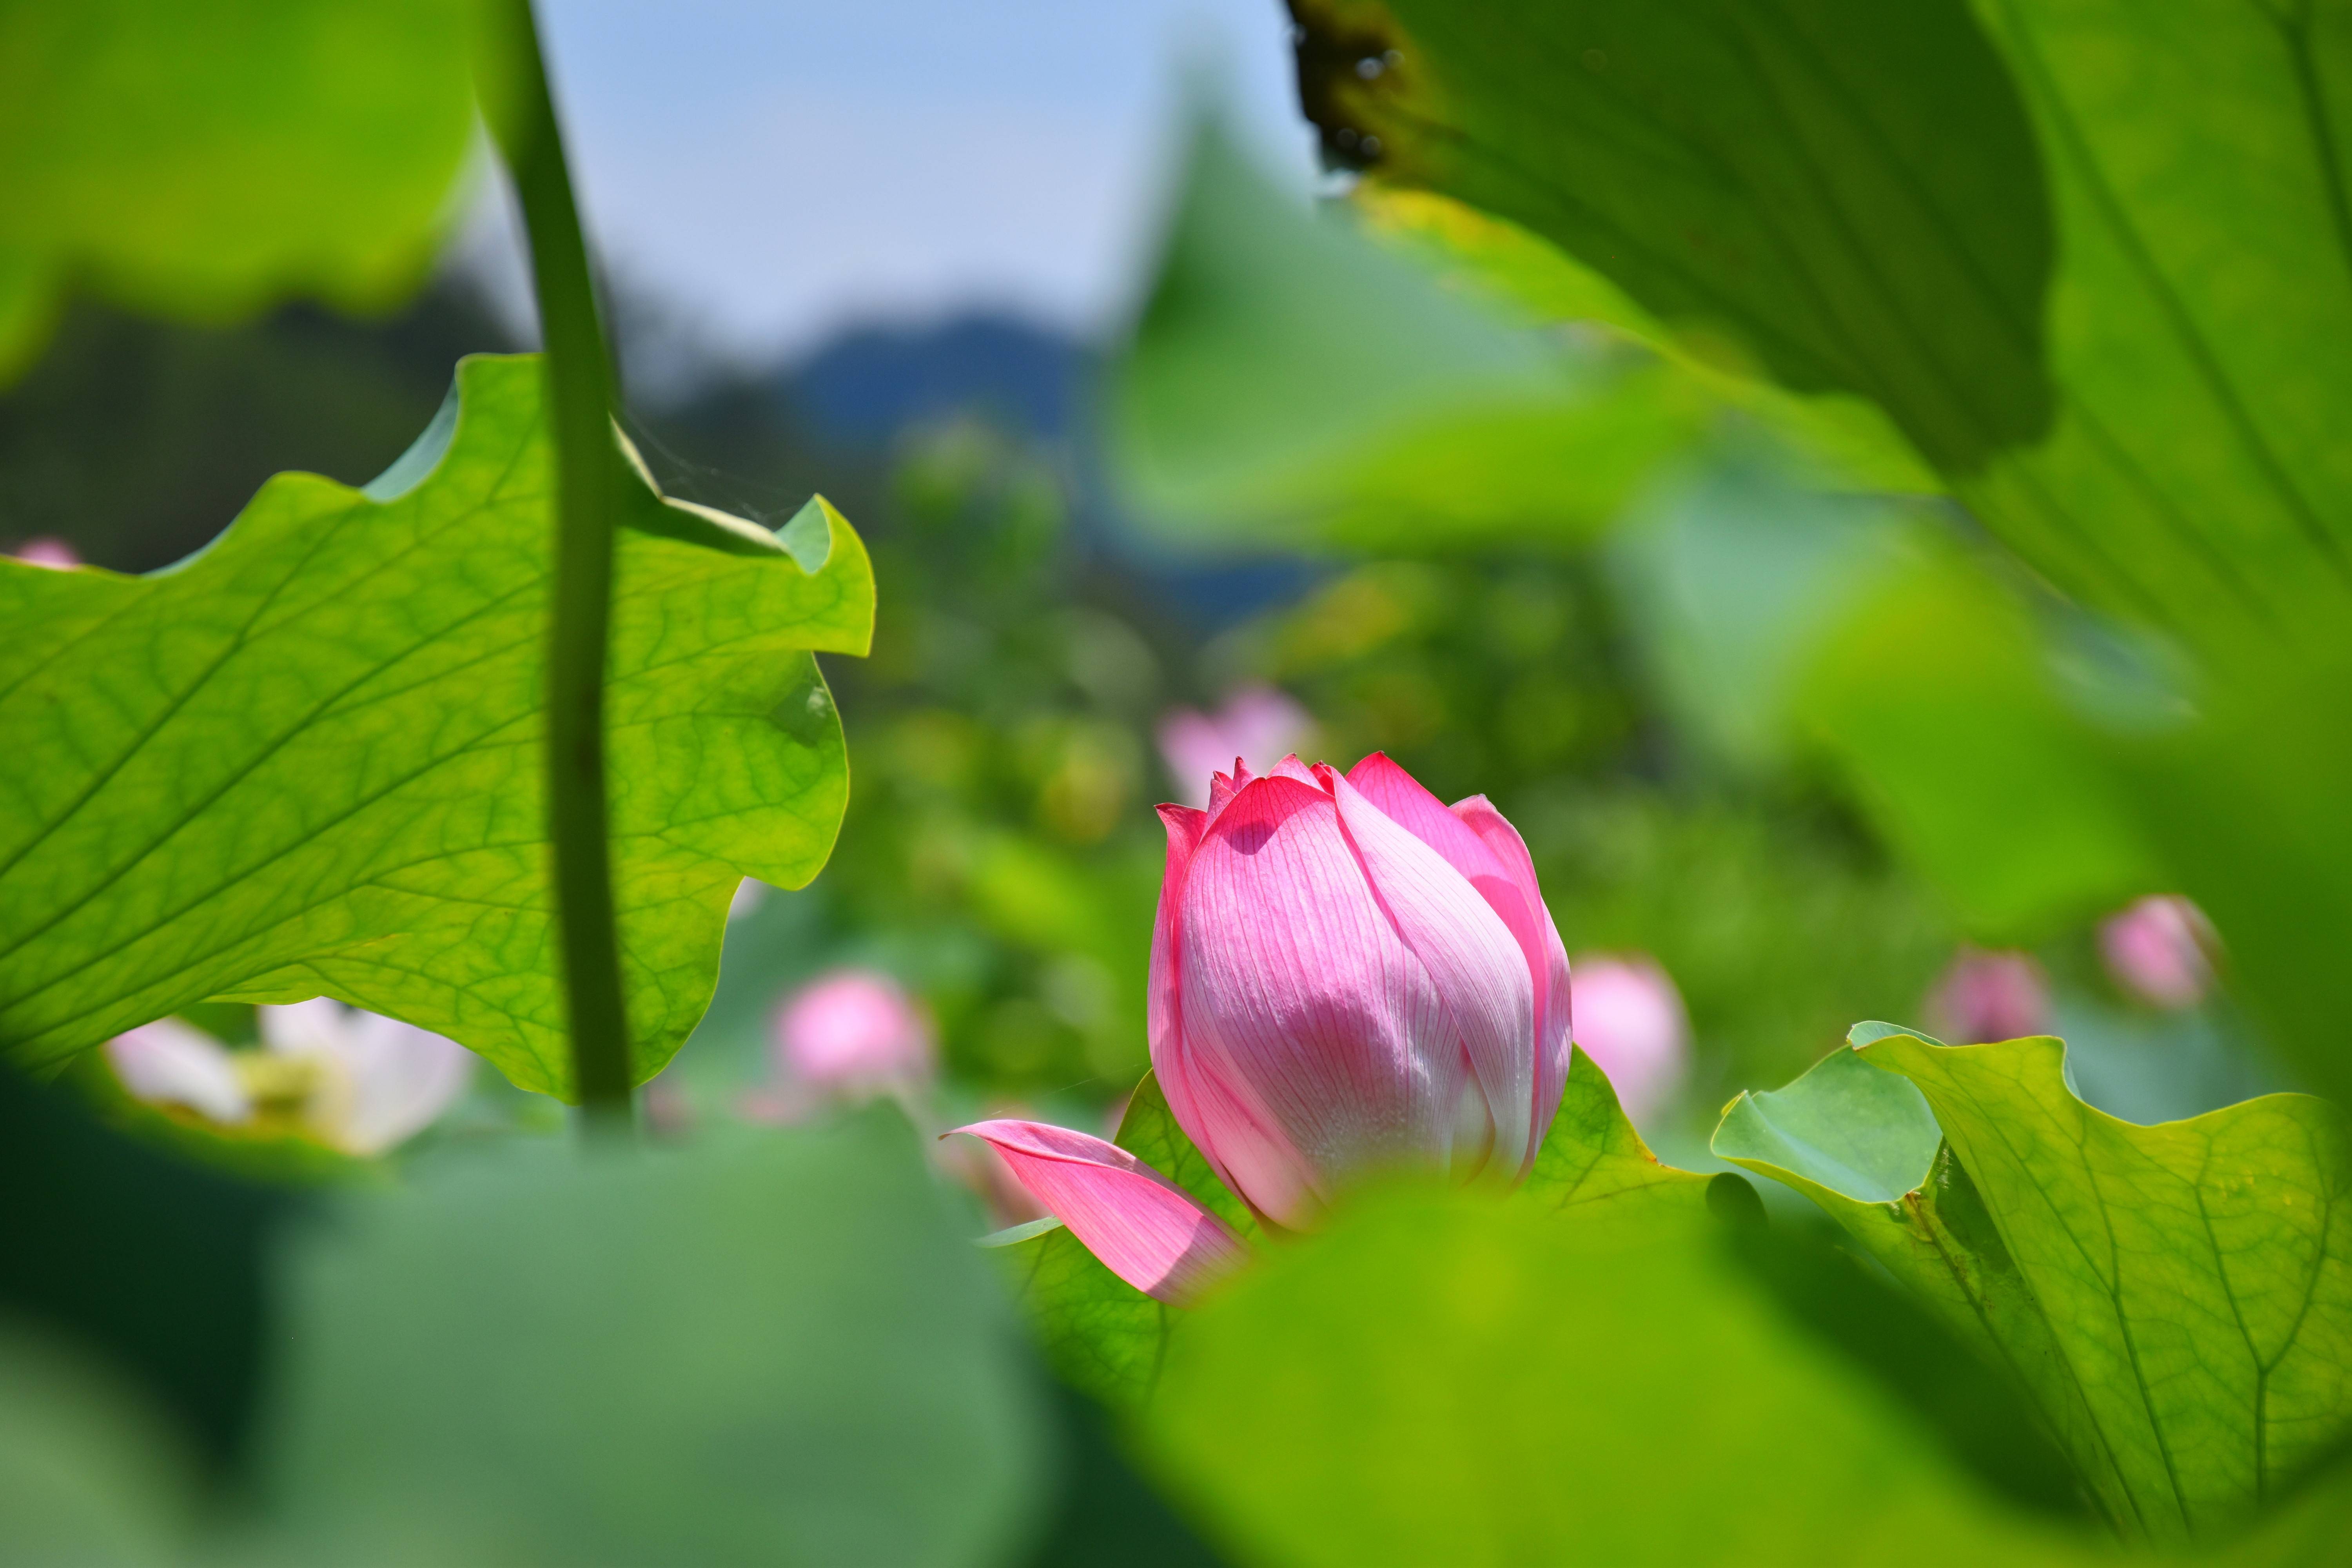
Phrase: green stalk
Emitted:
{"points": [[588, 472]]}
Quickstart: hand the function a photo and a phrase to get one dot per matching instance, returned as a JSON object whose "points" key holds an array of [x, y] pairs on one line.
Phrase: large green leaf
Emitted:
{"points": [[308, 759], [1853, 191], [88, 1475], [1594, 1164], [768, 1349], [1864, 1146], [2176, 1300], [1440, 1379], [1895, 202], [203, 161], [2196, 473], [1290, 373]]}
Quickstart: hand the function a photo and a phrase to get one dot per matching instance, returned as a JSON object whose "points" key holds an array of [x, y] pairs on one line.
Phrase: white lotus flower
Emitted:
{"points": [[356, 1082]]}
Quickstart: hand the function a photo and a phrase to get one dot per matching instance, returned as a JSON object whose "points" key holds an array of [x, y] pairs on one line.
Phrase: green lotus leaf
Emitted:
{"points": [[2176, 1301], [308, 759], [205, 161], [1441, 1379], [1594, 1166], [757, 1350]]}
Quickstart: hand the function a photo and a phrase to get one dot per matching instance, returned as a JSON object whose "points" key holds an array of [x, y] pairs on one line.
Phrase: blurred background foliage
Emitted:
{"points": [[1000, 856]]}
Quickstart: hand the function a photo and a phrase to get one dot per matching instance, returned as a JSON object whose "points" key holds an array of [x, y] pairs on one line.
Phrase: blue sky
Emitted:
{"points": [[774, 172]]}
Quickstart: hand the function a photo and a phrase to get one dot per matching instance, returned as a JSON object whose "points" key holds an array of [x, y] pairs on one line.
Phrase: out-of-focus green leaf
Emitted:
{"points": [[204, 160], [2079, 254], [2196, 473], [1852, 193], [1771, 611], [1291, 380], [2249, 806], [774, 1349], [1439, 1378], [308, 759], [2177, 1300], [1847, 439], [88, 1478], [1101, 1334], [1594, 1166]]}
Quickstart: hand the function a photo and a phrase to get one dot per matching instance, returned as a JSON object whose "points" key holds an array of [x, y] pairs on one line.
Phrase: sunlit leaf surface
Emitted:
{"points": [[2177, 1300], [308, 759], [1593, 1165]]}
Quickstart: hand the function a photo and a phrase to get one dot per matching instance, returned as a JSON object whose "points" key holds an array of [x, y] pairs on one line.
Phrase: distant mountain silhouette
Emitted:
{"points": [[866, 385]]}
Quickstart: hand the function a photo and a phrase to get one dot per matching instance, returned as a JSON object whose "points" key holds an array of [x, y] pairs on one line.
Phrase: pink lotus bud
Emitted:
{"points": [[1990, 996], [47, 551], [1630, 1021], [1257, 724], [853, 1029], [2160, 949], [1344, 971], [1336, 963]]}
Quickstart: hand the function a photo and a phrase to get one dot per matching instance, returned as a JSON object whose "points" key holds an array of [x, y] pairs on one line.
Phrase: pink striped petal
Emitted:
{"points": [[1305, 1008], [1164, 1020], [1290, 767], [1222, 787], [1472, 956], [1145, 1229], [1503, 876], [1553, 996]]}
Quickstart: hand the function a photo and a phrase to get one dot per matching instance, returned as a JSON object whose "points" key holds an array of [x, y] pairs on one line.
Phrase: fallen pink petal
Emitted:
{"points": [[1145, 1229]]}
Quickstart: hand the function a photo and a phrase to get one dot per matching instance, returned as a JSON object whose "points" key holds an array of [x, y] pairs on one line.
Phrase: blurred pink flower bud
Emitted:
{"points": [[1630, 1021], [852, 1030], [1344, 970], [2160, 949], [47, 551], [1257, 724], [1990, 996]]}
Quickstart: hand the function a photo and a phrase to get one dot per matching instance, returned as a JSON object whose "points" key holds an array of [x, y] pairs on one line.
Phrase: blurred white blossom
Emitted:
{"points": [[356, 1082]]}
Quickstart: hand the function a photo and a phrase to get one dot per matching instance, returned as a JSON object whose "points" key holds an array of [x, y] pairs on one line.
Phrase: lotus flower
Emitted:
{"points": [[1990, 996], [1257, 724], [2160, 949], [1630, 1021], [356, 1082], [48, 551], [853, 1029], [1346, 975]]}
